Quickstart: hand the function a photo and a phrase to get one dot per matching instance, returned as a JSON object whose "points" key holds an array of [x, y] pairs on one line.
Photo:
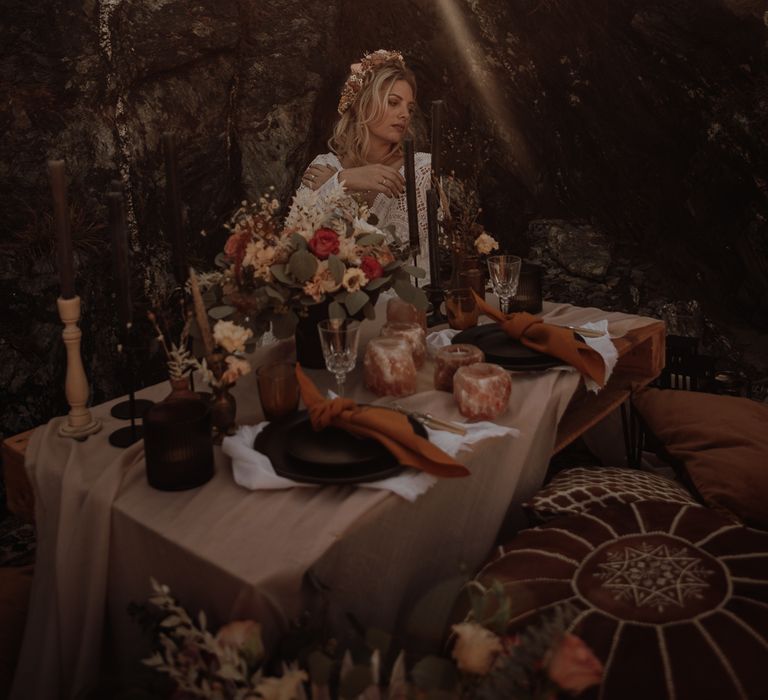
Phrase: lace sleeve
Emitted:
{"points": [[331, 183], [398, 211]]}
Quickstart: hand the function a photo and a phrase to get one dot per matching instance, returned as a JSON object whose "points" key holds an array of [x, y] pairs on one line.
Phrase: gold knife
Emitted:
{"points": [[430, 421]]}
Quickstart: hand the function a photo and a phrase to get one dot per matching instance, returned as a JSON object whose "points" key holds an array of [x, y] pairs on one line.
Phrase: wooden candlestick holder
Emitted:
{"points": [[80, 424]]}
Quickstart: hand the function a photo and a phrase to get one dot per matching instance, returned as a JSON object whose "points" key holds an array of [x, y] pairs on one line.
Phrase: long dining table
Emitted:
{"points": [[271, 555]]}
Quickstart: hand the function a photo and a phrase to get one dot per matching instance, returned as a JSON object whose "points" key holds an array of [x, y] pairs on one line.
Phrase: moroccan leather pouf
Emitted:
{"points": [[672, 598]]}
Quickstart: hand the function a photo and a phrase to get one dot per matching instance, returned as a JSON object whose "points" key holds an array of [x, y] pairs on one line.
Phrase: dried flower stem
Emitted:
{"points": [[200, 313]]}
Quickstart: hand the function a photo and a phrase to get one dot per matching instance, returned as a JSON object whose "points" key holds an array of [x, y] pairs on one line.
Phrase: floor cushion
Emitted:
{"points": [[720, 441], [672, 598], [579, 489]]}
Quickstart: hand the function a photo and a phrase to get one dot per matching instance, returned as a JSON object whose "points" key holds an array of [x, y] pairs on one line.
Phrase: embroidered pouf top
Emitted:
{"points": [[672, 598]]}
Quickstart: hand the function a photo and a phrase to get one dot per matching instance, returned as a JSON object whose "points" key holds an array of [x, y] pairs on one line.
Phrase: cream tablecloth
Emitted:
{"points": [[102, 531]]}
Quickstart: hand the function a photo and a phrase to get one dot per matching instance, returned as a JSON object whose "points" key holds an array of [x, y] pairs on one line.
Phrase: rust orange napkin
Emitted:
{"points": [[390, 428], [559, 342]]}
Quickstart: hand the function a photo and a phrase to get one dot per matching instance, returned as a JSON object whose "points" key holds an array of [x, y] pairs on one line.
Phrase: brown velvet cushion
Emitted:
{"points": [[579, 489], [721, 441], [673, 599]]}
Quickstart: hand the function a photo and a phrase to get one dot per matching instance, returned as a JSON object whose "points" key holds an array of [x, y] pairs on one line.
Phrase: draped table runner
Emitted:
{"points": [[102, 531]]}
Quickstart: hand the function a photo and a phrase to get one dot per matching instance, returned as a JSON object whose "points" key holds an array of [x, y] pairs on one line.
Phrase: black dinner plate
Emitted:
{"points": [[329, 456], [502, 350]]}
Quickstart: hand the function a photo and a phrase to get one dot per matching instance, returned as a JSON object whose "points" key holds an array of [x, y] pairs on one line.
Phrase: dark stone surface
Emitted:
{"points": [[645, 121]]}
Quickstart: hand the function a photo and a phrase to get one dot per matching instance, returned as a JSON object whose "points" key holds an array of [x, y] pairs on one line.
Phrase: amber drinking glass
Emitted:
{"points": [[461, 309], [278, 389]]}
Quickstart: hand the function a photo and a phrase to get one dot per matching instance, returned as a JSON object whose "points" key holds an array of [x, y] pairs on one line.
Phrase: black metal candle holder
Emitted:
{"points": [[436, 296]]}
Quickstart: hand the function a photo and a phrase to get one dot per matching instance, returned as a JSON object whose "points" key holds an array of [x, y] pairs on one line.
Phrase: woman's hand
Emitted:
{"points": [[373, 178], [315, 176]]}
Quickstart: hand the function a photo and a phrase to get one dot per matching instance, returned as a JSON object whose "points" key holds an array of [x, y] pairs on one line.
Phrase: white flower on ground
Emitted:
{"points": [[287, 687], [230, 336], [485, 243], [354, 279], [476, 648]]}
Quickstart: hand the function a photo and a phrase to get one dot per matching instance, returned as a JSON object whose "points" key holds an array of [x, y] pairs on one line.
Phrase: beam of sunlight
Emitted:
{"points": [[490, 93]]}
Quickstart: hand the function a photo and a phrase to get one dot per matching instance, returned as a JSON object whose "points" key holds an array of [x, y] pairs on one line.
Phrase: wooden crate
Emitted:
{"points": [[19, 494]]}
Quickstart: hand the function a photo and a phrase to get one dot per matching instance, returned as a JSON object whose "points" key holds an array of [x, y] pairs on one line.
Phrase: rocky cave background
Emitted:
{"points": [[623, 144]]}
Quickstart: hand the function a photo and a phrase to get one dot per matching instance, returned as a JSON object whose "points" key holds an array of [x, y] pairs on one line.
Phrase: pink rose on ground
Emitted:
{"points": [[476, 648], [371, 267], [324, 242], [573, 666]]}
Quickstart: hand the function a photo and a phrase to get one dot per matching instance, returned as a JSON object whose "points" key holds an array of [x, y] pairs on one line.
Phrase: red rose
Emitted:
{"points": [[371, 267], [325, 242]]}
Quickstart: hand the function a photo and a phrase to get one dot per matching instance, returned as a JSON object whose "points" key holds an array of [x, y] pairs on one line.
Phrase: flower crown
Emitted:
{"points": [[363, 71]]}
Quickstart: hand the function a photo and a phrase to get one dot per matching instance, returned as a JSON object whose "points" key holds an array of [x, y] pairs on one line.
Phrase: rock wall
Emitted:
{"points": [[644, 121]]}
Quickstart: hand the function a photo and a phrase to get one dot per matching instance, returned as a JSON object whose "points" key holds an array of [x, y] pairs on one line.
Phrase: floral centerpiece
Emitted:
{"points": [[328, 254]]}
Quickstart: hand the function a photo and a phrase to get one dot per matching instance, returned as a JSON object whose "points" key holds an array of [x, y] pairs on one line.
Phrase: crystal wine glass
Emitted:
{"points": [[339, 340], [504, 271]]}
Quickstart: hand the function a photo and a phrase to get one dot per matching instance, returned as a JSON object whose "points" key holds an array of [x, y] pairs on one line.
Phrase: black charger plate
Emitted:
{"points": [[502, 350], [330, 456]]}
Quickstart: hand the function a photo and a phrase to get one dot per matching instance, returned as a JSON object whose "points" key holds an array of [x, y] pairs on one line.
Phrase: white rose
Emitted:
{"points": [[476, 648], [230, 336]]}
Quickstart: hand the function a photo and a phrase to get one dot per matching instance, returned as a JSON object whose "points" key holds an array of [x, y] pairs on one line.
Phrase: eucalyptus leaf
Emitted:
{"points": [[302, 265], [336, 310], [369, 312], [219, 312], [274, 293], [356, 301], [414, 271], [336, 268], [377, 283], [370, 239], [278, 272], [222, 261], [394, 265], [404, 289], [298, 241], [420, 300], [390, 229]]}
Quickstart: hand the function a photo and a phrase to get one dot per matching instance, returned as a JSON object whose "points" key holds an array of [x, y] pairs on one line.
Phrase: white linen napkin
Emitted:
{"points": [[253, 470], [439, 339]]}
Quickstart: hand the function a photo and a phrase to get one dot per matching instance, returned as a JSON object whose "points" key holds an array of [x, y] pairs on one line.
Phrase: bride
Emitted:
{"points": [[376, 106]]}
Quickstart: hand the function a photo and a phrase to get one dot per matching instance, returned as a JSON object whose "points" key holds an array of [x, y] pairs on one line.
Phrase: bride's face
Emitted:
{"points": [[393, 124]]}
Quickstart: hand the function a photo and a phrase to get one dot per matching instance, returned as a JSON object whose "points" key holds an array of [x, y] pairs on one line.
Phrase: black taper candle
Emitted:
{"points": [[410, 196], [173, 209], [119, 235], [64, 255], [432, 232], [437, 136]]}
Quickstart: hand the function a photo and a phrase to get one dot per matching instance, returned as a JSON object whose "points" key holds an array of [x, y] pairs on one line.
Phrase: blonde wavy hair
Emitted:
{"points": [[351, 135]]}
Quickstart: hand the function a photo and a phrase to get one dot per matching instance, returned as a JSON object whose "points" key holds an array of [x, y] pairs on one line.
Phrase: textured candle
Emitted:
{"points": [[119, 237], [413, 334], [58, 177], [400, 311], [448, 359], [388, 367], [481, 390]]}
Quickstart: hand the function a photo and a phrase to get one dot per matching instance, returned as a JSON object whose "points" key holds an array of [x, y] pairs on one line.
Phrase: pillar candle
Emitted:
{"points": [[410, 195], [173, 209], [119, 236], [437, 124], [58, 178]]}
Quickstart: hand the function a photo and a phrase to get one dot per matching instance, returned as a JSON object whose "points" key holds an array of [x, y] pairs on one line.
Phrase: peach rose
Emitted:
{"points": [[573, 666], [476, 648]]}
